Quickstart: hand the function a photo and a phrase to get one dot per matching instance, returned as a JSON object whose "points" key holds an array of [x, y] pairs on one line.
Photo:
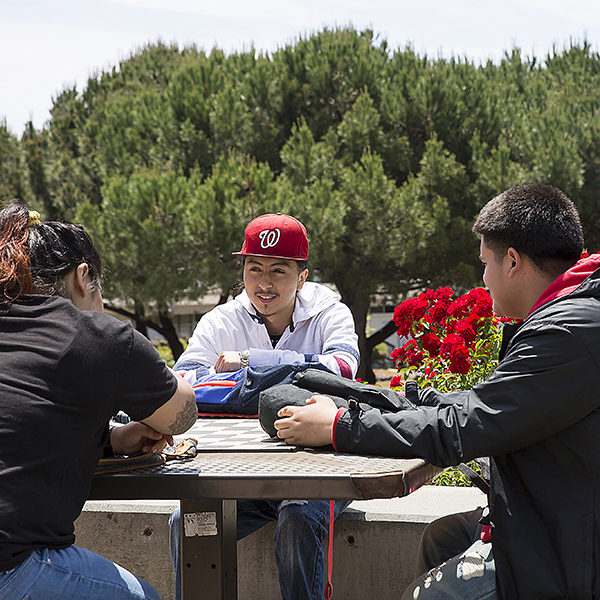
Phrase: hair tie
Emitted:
{"points": [[34, 218]]}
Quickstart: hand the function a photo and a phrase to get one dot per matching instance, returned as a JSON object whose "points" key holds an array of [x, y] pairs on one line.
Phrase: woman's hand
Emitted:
{"points": [[137, 437]]}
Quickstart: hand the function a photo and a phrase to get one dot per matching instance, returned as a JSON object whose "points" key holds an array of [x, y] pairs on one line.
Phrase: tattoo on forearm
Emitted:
{"points": [[184, 419]]}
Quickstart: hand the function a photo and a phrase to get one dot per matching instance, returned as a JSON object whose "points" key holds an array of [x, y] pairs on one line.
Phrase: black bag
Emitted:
{"points": [[341, 390]]}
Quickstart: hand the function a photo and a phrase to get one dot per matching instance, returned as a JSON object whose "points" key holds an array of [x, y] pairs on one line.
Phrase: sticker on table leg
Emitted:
{"points": [[202, 523]]}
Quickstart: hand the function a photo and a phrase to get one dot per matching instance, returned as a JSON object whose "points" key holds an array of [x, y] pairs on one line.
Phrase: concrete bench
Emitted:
{"points": [[375, 543]]}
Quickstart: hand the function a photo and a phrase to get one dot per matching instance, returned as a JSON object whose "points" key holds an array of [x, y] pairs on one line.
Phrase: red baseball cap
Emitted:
{"points": [[275, 236]]}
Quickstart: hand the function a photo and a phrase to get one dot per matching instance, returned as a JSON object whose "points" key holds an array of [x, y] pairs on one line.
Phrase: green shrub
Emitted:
{"points": [[453, 476]]}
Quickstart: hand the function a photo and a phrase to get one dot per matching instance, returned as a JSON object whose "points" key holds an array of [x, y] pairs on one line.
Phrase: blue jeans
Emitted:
{"points": [[72, 573], [468, 576], [302, 525]]}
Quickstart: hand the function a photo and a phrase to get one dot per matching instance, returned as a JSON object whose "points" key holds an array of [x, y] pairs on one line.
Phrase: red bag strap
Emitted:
{"points": [[329, 585]]}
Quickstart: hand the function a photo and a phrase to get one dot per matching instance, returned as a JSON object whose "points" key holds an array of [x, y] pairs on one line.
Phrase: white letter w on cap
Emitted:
{"points": [[269, 238]]}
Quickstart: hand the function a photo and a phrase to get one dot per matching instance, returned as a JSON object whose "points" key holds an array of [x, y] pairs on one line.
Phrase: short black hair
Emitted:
{"points": [[538, 221]]}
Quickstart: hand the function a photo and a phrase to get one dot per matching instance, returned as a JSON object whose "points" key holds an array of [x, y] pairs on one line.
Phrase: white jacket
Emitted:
{"points": [[322, 331]]}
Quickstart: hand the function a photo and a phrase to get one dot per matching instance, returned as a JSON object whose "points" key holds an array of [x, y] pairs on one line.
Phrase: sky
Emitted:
{"points": [[49, 45]]}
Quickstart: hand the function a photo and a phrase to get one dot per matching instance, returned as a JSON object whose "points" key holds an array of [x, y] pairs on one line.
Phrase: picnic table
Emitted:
{"points": [[236, 460]]}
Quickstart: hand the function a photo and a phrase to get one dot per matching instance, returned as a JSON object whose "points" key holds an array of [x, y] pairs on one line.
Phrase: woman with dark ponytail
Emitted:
{"points": [[36, 258], [65, 368]]}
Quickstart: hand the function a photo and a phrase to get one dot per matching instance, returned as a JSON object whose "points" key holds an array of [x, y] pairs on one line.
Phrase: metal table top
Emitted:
{"points": [[233, 472]]}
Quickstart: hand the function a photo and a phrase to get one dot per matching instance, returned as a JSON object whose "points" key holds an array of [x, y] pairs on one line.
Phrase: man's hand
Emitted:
{"points": [[228, 361], [310, 425], [136, 437]]}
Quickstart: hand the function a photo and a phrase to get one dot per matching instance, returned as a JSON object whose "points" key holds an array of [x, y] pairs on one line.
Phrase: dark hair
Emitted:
{"points": [[35, 258], [538, 221], [302, 264]]}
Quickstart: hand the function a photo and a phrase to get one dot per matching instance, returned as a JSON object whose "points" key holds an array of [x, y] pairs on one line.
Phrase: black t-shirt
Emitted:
{"points": [[63, 373]]}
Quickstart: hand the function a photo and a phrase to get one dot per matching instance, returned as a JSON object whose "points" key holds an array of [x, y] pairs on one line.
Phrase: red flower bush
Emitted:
{"points": [[465, 330], [452, 342], [459, 360], [431, 343]]}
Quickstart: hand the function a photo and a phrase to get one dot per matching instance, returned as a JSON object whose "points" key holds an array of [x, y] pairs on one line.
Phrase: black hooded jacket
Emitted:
{"points": [[538, 419]]}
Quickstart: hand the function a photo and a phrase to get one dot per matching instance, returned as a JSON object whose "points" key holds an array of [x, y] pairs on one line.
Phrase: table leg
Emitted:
{"points": [[208, 550]]}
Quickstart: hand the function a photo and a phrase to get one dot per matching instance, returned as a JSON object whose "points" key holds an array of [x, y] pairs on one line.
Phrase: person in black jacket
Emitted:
{"points": [[537, 417]]}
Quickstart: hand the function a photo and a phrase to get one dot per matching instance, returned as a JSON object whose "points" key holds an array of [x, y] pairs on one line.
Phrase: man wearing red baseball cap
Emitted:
{"points": [[279, 318], [275, 236]]}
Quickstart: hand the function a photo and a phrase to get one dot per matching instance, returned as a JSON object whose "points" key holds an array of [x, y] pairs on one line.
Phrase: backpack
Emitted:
{"points": [[237, 392], [341, 390]]}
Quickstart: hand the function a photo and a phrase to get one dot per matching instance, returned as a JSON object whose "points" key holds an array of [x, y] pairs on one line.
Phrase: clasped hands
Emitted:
{"points": [[309, 425], [137, 437]]}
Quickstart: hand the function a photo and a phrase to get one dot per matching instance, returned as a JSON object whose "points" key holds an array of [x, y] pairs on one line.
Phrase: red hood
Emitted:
{"points": [[569, 281]]}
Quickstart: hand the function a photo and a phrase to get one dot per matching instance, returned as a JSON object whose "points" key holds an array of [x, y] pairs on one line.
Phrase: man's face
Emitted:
{"points": [[496, 280], [271, 284]]}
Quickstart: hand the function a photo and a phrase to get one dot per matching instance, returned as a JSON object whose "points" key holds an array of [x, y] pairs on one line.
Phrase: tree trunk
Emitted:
{"points": [[365, 368], [168, 330], [140, 322], [359, 307]]}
